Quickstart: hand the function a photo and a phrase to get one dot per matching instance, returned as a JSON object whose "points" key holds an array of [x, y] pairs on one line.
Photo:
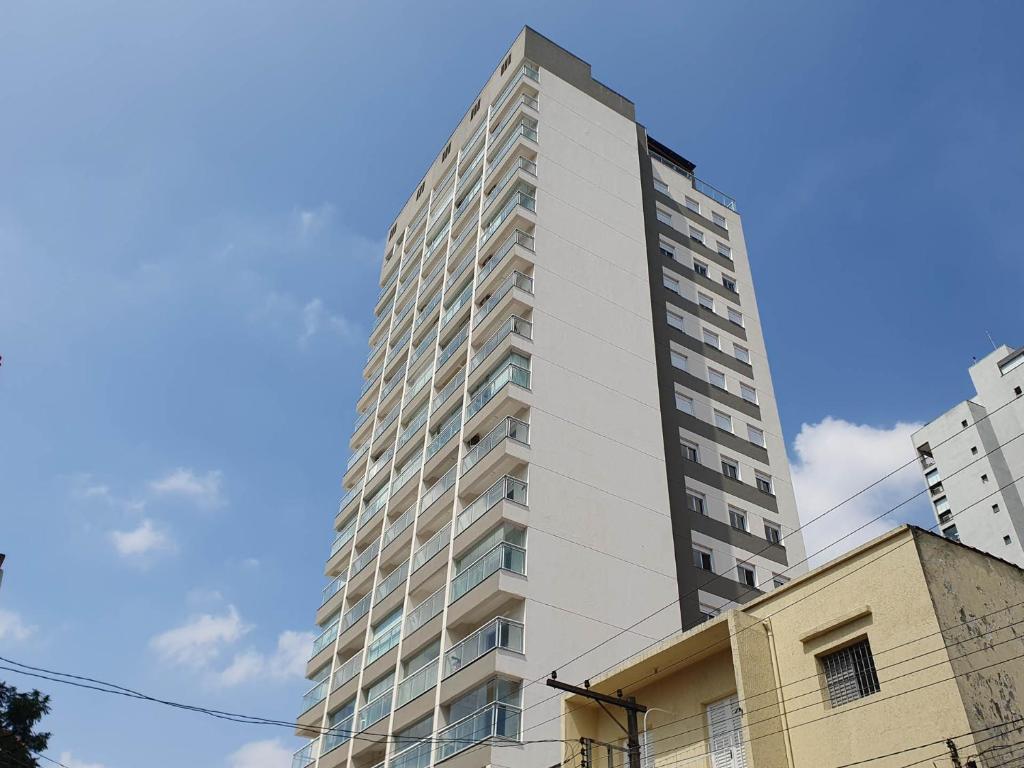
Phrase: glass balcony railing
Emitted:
{"points": [[528, 70], [447, 431], [416, 684], [357, 454], [440, 239], [430, 548], [426, 344], [459, 271], [315, 695], [424, 612], [417, 755], [413, 426], [374, 711], [376, 504], [396, 350], [365, 557], [333, 587], [508, 488], [382, 461], [407, 283], [381, 645], [499, 633], [390, 386], [442, 208], [509, 428], [382, 319], [348, 670], [442, 185], [392, 581], [337, 734], [407, 473], [701, 186], [386, 422], [342, 537], [452, 346], [414, 224], [396, 528], [325, 638], [356, 612], [460, 301], [477, 134], [466, 201], [494, 721], [349, 497], [522, 164], [525, 100], [362, 418], [518, 199], [370, 382], [518, 237], [515, 279], [431, 277], [375, 349], [307, 755], [526, 129], [512, 373], [439, 489], [414, 247], [416, 385], [514, 324], [502, 557], [453, 386], [466, 234]]}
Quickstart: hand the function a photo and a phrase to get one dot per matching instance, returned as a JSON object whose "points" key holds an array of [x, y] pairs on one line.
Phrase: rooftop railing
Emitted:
{"points": [[701, 186]]}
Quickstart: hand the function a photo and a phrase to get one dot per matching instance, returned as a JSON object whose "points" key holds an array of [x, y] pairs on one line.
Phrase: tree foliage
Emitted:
{"points": [[19, 713]]}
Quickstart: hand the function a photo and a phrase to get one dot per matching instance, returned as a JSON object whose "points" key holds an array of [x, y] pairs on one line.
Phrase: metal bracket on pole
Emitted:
{"points": [[627, 703]]}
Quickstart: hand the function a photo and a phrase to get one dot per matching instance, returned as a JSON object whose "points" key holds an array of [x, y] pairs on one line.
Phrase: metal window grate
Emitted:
{"points": [[850, 674]]}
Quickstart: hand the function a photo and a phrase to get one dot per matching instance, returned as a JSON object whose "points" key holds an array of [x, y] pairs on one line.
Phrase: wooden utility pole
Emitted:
{"points": [[627, 703]]}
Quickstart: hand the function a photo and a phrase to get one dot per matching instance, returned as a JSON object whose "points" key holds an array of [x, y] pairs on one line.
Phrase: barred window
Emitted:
{"points": [[850, 673]]}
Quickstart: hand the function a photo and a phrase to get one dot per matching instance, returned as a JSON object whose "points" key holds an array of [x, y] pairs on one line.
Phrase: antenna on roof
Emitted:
{"points": [[990, 340]]}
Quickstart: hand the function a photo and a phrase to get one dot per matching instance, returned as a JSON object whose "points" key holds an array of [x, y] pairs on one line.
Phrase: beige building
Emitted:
{"points": [[874, 659], [566, 380]]}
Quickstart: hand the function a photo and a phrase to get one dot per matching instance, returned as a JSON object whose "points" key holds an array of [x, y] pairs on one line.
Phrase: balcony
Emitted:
{"points": [[347, 671], [380, 463], [418, 385], [364, 558], [517, 250], [381, 645], [442, 185], [494, 721], [440, 440], [401, 481], [453, 346], [509, 374], [527, 71], [420, 615], [324, 639], [415, 756], [420, 217], [385, 423], [338, 548], [430, 549], [512, 296], [417, 683], [391, 385], [307, 755], [387, 287], [500, 633], [519, 209], [449, 389], [395, 353], [452, 310], [521, 169], [309, 721], [515, 325], [374, 711], [502, 557], [467, 235], [393, 531], [346, 502], [459, 270], [435, 244], [471, 142], [339, 734], [353, 617], [505, 489], [466, 202], [432, 504], [391, 582]]}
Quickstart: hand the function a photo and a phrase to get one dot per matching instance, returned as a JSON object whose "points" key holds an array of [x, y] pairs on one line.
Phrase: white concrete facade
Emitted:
{"points": [[972, 458]]}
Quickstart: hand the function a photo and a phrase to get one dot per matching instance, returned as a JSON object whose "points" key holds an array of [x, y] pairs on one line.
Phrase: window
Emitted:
{"points": [[1014, 362], [773, 533], [1018, 391], [717, 378], [974, 450], [706, 301], [663, 216], [737, 519], [764, 482], [474, 110], [670, 282], [661, 186], [666, 250], [932, 477], [945, 517], [723, 421], [850, 673], [755, 435], [1006, 540], [941, 504], [730, 469], [692, 204], [684, 403], [695, 503], [675, 320], [710, 337], [778, 580], [724, 250], [748, 393], [995, 509], [951, 533], [700, 268], [984, 478], [741, 353], [745, 575], [719, 219], [678, 360], [729, 283], [735, 317], [696, 234], [963, 423], [707, 613], [691, 452], [702, 559]]}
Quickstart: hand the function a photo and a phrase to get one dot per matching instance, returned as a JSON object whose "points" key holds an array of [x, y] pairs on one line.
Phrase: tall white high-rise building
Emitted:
{"points": [[567, 425], [972, 457]]}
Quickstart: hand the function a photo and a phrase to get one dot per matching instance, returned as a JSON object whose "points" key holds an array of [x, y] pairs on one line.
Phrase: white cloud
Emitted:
{"points": [[72, 762], [204, 490], [833, 460], [260, 754], [316, 317], [13, 627], [142, 540], [85, 487], [310, 222], [287, 662], [199, 641]]}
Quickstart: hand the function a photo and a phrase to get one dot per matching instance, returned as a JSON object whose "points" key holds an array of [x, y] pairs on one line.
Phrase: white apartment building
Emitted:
{"points": [[567, 425], [972, 457]]}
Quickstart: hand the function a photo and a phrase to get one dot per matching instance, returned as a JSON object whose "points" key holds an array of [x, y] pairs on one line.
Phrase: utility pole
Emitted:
{"points": [[627, 703], [954, 754]]}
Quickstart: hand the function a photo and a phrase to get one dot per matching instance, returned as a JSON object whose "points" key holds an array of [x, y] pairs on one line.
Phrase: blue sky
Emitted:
{"points": [[193, 198]]}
